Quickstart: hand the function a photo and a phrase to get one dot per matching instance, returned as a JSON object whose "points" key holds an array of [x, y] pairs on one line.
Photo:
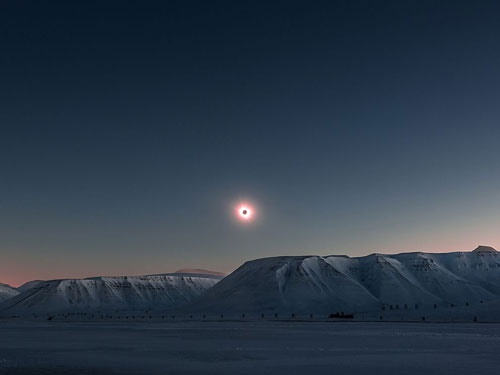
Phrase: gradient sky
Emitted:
{"points": [[129, 130]]}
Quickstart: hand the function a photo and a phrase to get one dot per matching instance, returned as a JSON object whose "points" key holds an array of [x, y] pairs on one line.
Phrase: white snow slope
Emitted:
{"points": [[315, 284], [6, 292], [109, 293]]}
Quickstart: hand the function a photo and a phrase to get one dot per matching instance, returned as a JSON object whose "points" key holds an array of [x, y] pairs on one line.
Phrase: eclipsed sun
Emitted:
{"points": [[245, 212]]}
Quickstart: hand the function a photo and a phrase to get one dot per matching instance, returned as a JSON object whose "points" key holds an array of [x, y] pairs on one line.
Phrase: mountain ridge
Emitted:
{"points": [[304, 284], [341, 283], [108, 293]]}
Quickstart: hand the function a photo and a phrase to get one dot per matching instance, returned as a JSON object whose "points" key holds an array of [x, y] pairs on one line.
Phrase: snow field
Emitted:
{"points": [[248, 348]]}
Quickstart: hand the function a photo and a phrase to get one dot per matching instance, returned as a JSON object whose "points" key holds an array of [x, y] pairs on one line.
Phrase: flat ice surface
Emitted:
{"points": [[248, 348]]}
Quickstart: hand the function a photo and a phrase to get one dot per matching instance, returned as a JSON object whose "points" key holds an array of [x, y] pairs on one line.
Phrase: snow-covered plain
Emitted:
{"points": [[248, 348]]}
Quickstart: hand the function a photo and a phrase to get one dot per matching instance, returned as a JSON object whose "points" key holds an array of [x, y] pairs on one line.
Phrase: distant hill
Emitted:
{"points": [[198, 271], [108, 293]]}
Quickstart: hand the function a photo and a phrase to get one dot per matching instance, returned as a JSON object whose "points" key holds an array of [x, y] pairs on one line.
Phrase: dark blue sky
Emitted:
{"points": [[128, 130]]}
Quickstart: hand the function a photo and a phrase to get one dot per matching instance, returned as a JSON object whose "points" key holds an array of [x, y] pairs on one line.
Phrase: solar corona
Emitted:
{"points": [[245, 212]]}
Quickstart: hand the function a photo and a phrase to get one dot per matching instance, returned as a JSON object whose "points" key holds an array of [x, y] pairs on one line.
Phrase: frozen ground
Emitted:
{"points": [[248, 348]]}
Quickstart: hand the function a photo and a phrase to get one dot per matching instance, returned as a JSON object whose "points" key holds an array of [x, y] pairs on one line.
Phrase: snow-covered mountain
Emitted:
{"points": [[109, 293], [6, 292], [401, 286], [315, 284]]}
